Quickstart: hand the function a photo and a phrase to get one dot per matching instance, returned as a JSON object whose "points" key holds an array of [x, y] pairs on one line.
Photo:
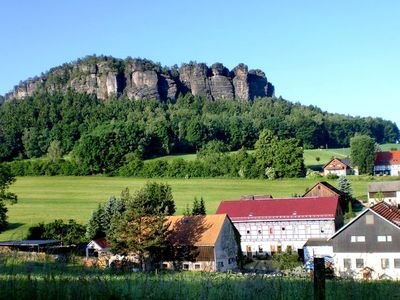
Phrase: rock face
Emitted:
{"points": [[142, 79]]}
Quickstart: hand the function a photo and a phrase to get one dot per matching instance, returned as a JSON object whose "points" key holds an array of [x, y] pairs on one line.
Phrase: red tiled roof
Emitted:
{"points": [[280, 209], [102, 242], [387, 158], [389, 212]]}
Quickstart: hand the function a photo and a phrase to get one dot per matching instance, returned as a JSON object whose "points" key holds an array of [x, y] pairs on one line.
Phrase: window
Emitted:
{"points": [[271, 230], [384, 238], [186, 266], [260, 249], [397, 263], [197, 266], [231, 260], [248, 231], [385, 263], [259, 231], [165, 266], [347, 263], [283, 228], [369, 219], [220, 264], [359, 263], [357, 238]]}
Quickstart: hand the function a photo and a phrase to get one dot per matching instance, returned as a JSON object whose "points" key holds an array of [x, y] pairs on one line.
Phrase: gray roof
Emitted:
{"points": [[386, 186], [318, 242], [29, 243]]}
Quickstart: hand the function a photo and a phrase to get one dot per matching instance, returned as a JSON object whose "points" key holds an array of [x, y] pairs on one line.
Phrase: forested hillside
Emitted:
{"points": [[116, 127]]}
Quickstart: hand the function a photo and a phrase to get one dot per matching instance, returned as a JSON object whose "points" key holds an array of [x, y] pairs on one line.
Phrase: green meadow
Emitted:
{"points": [[43, 199]]}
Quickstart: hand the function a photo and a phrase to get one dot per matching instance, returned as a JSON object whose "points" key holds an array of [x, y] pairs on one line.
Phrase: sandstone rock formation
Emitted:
{"points": [[142, 79]]}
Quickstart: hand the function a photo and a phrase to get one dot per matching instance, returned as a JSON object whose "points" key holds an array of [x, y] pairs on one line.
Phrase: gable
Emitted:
{"points": [[336, 164], [323, 189], [369, 231]]}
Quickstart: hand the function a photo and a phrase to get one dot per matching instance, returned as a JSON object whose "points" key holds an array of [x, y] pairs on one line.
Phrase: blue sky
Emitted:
{"points": [[342, 56]]}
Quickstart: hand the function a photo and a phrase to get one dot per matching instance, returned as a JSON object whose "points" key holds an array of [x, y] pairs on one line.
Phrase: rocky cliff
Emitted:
{"points": [[142, 79]]}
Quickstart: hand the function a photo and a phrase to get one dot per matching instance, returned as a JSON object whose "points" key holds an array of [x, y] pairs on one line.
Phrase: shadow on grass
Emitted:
{"points": [[12, 226]]}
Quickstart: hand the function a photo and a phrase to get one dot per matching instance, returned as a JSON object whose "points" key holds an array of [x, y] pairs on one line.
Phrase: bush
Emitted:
{"points": [[285, 261], [332, 176]]}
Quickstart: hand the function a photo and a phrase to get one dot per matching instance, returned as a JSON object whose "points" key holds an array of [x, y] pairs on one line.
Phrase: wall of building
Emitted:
{"points": [[208, 266], [371, 260], [265, 237], [226, 248], [393, 170], [317, 251]]}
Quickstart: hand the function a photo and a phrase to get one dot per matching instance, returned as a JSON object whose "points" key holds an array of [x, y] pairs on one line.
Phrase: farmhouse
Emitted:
{"points": [[340, 167], [369, 245], [274, 225], [323, 189], [207, 243], [388, 191], [387, 163]]}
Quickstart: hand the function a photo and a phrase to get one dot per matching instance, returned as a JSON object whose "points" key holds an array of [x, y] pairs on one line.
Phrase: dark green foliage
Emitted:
{"points": [[285, 261], [3, 216], [100, 221], [346, 199], [6, 179], [142, 229], [70, 233], [278, 158], [362, 152], [199, 207], [154, 199], [151, 128]]}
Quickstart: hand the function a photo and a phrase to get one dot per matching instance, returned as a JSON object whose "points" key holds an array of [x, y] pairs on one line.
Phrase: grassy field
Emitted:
{"points": [[43, 199], [49, 280]]}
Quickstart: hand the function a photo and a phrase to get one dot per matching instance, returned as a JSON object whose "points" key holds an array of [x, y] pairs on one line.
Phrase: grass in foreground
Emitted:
{"points": [[49, 280]]}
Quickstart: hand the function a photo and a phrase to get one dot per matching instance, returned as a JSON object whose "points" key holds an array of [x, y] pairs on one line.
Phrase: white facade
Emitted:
{"points": [[392, 199], [392, 170], [266, 237], [317, 251], [383, 265]]}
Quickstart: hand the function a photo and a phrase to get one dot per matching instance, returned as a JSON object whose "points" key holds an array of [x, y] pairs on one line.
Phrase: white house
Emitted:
{"points": [[387, 163], [340, 167], [274, 225], [369, 245], [97, 246], [388, 191]]}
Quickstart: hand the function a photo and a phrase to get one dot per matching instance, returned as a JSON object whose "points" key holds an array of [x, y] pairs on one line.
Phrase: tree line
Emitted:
{"points": [[102, 133], [272, 158]]}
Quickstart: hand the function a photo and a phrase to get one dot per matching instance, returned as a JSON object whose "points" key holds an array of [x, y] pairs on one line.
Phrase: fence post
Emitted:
{"points": [[319, 278]]}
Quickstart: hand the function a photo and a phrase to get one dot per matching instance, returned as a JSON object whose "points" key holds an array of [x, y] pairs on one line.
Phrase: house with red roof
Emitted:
{"points": [[272, 225], [340, 167], [387, 163], [369, 245]]}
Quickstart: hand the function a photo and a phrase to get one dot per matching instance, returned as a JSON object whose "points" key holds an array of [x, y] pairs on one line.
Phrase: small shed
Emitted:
{"points": [[97, 247]]}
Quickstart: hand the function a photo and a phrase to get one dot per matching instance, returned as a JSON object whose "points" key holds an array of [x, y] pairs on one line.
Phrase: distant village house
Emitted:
{"points": [[340, 167], [388, 191], [387, 163]]}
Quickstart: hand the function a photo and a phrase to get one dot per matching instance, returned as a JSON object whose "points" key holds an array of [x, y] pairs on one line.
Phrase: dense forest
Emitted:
{"points": [[149, 128]]}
